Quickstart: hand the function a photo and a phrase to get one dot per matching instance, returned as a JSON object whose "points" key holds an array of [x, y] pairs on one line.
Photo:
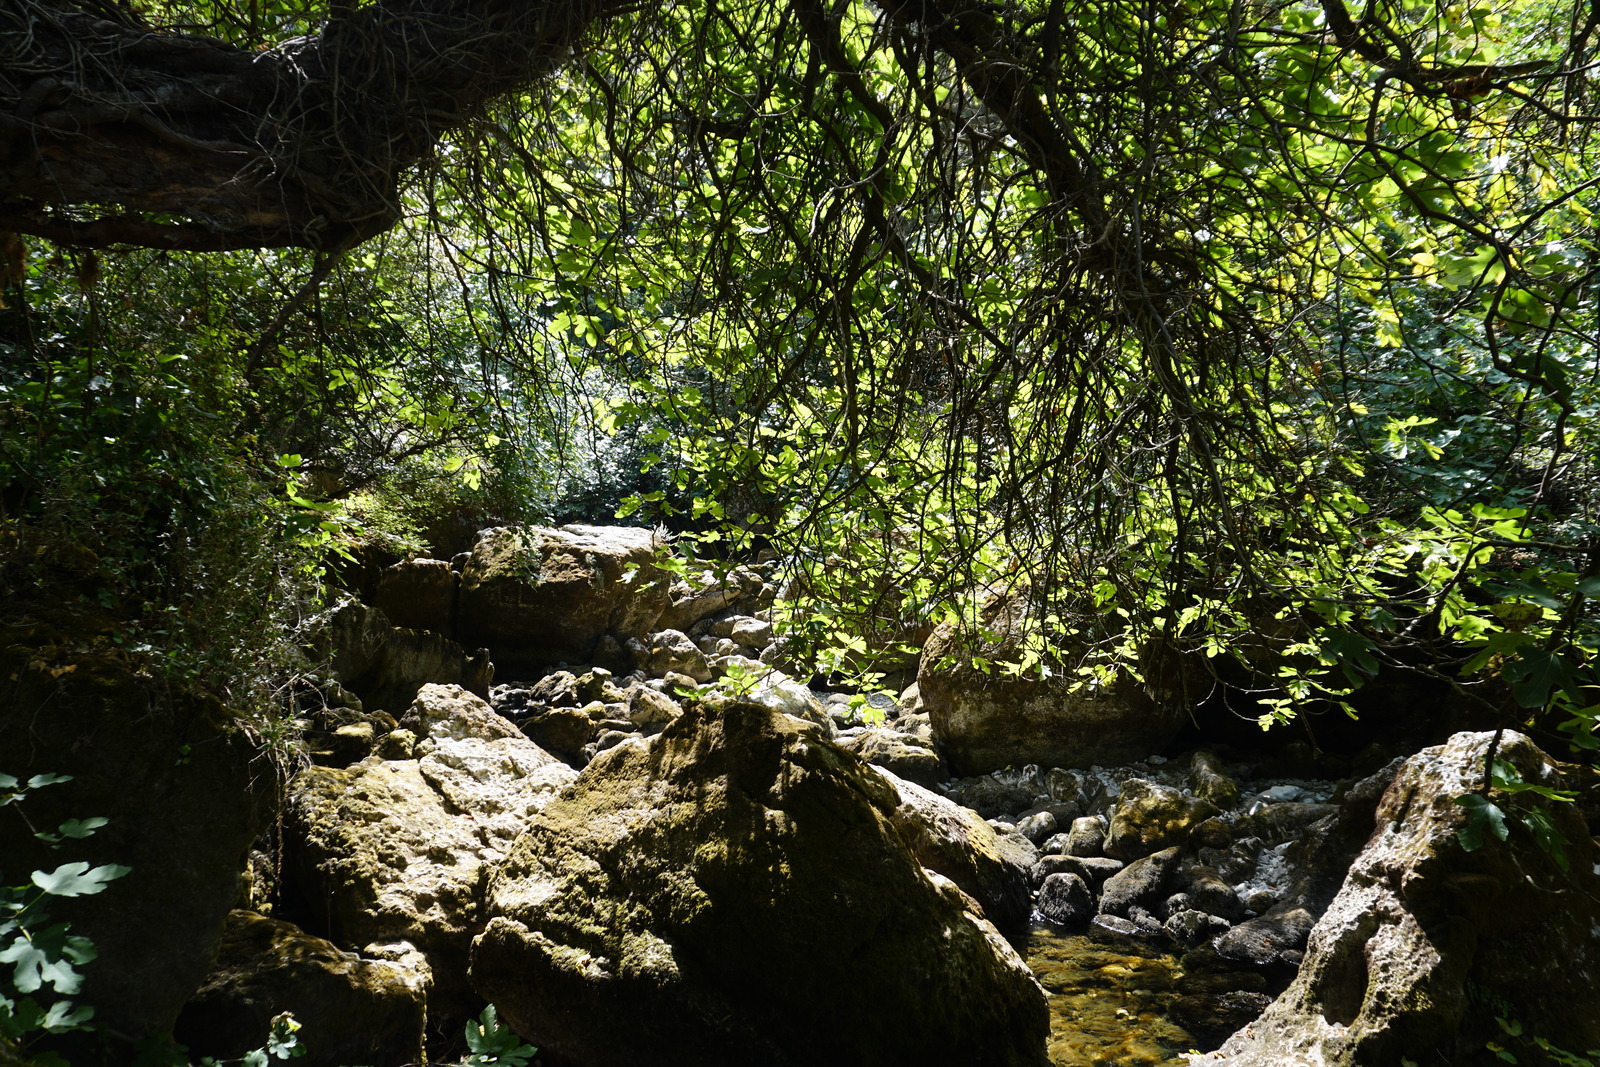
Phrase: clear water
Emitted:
{"points": [[1106, 1006]]}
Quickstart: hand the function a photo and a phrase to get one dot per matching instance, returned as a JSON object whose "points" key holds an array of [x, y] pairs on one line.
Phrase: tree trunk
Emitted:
{"points": [[113, 133]]}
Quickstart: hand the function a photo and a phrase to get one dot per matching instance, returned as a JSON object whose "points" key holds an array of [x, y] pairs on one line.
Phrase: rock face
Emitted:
{"points": [[385, 664], [185, 791], [957, 843], [1424, 934], [351, 1010], [987, 721], [399, 850], [537, 595], [419, 594], [734, 892]]}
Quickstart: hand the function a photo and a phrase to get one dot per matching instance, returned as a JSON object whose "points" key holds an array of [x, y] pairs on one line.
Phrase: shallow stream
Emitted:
{"points": [[1122, 1006]]}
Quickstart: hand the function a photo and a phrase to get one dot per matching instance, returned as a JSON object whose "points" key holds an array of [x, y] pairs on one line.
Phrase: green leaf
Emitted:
{"points": [[1535, 674], [77, 880], [1482, 813], [79, 828]]}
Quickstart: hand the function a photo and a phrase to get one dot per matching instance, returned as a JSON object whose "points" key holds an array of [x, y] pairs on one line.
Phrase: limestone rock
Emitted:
{"points": [[985, 721], [706, 897], [899, 753], [419, 594], [538, 595], [351, 1010], [707, 594], [385, 665], [400, 850], [952, 840], [1420, 921], [1148, 817], [646, 706]]}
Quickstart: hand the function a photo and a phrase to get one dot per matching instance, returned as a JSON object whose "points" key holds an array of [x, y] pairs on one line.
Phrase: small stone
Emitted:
{"points": [[1064, 900], [1190, 928], [1037, 827], [1087, 836]]}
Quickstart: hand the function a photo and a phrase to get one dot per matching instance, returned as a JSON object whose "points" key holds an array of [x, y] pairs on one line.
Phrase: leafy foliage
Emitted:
{"points": [[493, 1044], [41, 958]]}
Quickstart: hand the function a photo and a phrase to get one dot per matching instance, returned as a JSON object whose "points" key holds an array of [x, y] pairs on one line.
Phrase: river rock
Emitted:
{"points": [[986, 720], [1209, 780], [1141, 883], [1087, 837], [1064, 899], [903, 755], [1204, 890], [400, 850], [1003, 792], [539, 595], [1189, 927], [994, 869], [1272, 939], [673, 652], [351, 1010], [703, 899], [1148, 817], [1424, 931]]}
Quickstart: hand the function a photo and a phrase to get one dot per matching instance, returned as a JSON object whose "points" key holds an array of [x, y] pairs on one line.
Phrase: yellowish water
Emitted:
{"points": [[1107, 1007]]}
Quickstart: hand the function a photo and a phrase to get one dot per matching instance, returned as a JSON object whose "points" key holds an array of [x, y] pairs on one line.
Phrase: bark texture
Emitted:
{"points": [[112, 132]]}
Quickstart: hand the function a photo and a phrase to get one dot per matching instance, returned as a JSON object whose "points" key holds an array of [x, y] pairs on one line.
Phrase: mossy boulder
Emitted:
{"points": [[401, 850], [735, 891], [1149, 817], [351, 1010], [539, 595]]}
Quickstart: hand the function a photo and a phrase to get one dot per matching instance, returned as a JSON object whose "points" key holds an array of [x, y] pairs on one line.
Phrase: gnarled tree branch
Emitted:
{"points": [[112, 133]]}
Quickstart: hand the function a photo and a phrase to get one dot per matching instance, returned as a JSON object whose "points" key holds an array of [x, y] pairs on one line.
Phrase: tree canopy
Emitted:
{"points": [[1208, 320]]}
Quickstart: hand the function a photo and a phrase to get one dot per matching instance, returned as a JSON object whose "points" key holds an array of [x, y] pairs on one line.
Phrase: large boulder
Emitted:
{"points": [[400, 850], [186, 787], [419, 594], [537, 595], [985, 719], [733, 892], [1425, 932], [350, 1009]]}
